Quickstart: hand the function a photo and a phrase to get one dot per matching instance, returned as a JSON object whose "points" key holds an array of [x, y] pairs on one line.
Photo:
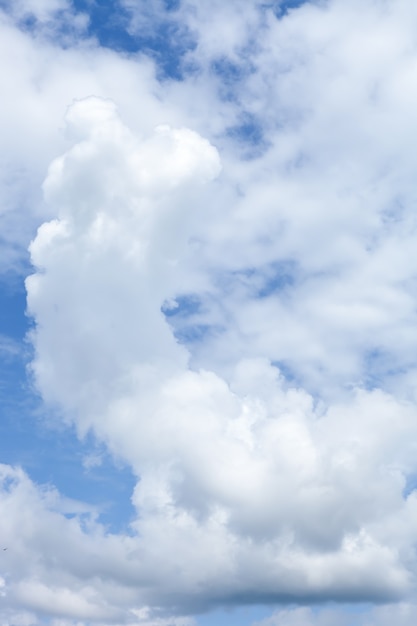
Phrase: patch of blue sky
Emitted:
{"points": [[379, 366], [79, 470], [161, 38], [252, 615], [186, 316], [410, 485], [372, 368], [282, 8], [231, 74], [6, 5], [272, 279], [184, 305], [287, 371], [172, 5], [278, 277], [108, 22], [248, 135], [248, 131], [13, 321], [168, 47], [196, 333]]}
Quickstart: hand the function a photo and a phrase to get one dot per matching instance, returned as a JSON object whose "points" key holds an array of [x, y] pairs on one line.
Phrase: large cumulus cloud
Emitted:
{"points": [[248, 488]]}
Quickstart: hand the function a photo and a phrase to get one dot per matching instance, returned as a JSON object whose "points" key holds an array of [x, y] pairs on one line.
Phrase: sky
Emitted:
{"points": [[208, 313]]}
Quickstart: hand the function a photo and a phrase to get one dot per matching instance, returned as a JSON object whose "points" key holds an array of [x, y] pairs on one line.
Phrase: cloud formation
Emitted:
{"points": [[402, 614], [257, 486], [237, 324]]}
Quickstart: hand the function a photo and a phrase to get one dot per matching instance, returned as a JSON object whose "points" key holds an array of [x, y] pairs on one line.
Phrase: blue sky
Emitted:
{"points": [[207, 313]]}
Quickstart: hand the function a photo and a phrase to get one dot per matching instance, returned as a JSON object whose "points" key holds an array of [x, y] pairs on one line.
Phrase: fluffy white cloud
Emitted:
{"points": [[89, 576], [42, 77], [256, 486]]}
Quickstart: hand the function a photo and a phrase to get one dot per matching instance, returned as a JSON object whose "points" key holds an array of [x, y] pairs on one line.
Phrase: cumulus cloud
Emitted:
{"points": [[42, 575], [254, 483], [43, 76]]}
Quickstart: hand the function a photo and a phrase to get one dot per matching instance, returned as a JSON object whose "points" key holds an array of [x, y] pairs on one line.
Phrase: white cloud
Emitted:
{"points": [[40, 80], [63, 567], [42, 10], [259, 490]]}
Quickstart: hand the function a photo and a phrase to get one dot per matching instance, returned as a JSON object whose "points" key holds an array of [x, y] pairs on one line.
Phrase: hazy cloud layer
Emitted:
{"points": [[402, 614]]}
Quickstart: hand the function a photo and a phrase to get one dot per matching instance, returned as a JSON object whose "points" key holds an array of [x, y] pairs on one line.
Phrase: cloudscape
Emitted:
{"points": [[208, 322]]}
